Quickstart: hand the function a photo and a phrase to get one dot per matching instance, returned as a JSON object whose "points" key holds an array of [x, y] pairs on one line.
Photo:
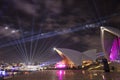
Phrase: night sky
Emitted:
{"points": [[21, 19]]}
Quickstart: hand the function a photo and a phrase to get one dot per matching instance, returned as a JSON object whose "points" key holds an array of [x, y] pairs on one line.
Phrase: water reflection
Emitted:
{"points": [[60, 74], [68, 75], [111, 76]]}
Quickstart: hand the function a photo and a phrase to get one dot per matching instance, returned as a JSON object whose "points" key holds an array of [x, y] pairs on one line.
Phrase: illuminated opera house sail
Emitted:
{"points": [[72, 58], [110, 38]]}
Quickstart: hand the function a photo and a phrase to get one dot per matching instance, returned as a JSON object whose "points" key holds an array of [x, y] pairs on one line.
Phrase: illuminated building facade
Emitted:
{"points": [[72, 58], [110, 38]]}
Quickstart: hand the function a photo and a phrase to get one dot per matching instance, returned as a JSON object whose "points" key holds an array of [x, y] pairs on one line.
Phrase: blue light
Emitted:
{"points": [[2, 73]]}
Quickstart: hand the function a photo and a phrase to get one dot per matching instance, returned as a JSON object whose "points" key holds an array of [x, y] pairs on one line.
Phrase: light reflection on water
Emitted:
{"points": [[60, 74], [68, 75]]}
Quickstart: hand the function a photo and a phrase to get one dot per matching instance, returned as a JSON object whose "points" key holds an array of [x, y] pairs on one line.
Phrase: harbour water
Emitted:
{"points": [[67, 75]]}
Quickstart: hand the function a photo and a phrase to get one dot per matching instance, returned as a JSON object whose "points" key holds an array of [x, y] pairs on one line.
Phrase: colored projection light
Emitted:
{"points": [[2, 73], [115, 50], [60, 65]]}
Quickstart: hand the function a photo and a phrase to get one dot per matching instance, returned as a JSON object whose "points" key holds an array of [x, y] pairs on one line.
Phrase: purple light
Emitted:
{"points": [[60, 65], [115, 50], [60, 74], [2, 73]]}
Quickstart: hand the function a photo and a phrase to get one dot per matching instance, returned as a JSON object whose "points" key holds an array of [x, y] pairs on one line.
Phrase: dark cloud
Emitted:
{"points": [[26, 7]]}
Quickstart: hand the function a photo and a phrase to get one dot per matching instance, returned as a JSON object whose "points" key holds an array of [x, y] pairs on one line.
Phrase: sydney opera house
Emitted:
{"points": [[110, 38], [72, 58]]}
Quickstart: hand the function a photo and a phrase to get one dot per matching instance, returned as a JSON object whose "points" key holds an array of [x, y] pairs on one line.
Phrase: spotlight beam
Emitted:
{"points": [[49, 34], [60, 32]]}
